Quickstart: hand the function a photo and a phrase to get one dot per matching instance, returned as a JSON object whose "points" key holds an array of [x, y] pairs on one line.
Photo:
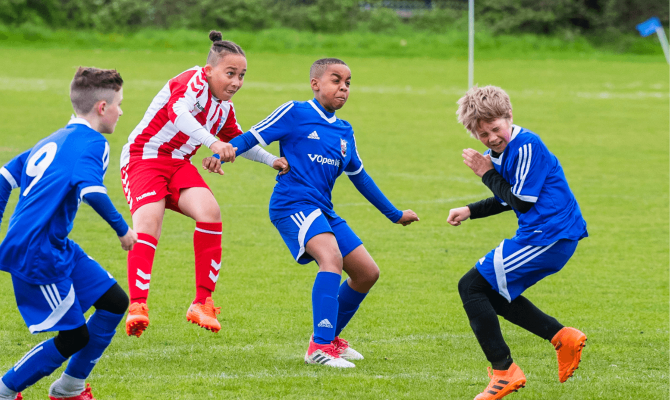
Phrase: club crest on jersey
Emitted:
{"points": [[343, 147]]}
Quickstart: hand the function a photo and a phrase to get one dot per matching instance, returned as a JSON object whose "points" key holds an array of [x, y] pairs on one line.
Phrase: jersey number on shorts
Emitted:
{"points": [[39, 162]]}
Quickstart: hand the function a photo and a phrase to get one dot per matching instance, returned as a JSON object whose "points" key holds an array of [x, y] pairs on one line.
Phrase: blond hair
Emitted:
{"points": [[482, 104]]}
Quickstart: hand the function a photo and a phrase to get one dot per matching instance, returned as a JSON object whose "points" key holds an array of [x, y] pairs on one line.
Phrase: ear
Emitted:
{"points": [[208, 70], [511, 120], [100, 107], [314, 82]]}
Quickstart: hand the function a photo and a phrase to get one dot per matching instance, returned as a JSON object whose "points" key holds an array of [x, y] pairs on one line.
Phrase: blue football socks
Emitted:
{"points": [[324, 306], [348, 300], [39, 362], [101, 328]]}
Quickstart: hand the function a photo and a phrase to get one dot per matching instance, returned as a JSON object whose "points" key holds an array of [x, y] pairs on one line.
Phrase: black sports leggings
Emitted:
{"points": [[482, 304], [115, 301]]}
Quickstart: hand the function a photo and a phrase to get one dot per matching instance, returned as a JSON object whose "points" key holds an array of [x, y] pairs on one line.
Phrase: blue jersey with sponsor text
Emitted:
{"points": [[59, 170], [536, 176], [318, 146]]}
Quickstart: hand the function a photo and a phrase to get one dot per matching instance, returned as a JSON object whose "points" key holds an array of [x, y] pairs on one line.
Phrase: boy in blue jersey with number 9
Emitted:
{"points": [[55, 282], [526, 177], [319, 147]]}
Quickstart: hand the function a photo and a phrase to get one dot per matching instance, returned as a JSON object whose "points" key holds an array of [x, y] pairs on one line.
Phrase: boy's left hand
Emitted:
{"points": [[478, 163], [212, 164], [281, 165]]}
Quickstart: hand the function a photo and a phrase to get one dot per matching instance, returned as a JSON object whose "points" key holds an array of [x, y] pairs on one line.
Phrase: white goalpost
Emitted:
{"points": [[471, 43]]}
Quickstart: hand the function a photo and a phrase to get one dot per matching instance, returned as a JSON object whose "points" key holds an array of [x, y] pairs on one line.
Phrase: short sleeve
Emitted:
{"points": [[12, 170], [275, 126], [529, 171], [355, 165], [231, 129], [89, 172]]}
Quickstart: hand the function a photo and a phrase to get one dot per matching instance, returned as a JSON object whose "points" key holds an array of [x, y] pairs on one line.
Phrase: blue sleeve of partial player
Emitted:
{"points": [[275, 126], [244, 142], [101, 203], [12, 170], [371, 192], [10, 178], [5, 191]]}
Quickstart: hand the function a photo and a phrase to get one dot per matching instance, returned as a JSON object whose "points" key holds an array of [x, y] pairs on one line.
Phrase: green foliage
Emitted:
{"points": [[553, 16], [327, 16], [383, 20]]}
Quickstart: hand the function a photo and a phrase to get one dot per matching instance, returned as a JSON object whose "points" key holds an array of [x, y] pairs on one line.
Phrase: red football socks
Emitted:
{"points": [[207, 247], [140, 262]]}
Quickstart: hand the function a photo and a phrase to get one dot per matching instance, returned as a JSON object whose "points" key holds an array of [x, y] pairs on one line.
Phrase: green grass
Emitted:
{"points": [[606, 120]]}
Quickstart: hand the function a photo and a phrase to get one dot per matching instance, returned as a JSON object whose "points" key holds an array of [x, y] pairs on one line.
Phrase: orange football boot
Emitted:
{"points": [[85, 395], [205, 315], [568, 343], [503, 383], [137, 319]]}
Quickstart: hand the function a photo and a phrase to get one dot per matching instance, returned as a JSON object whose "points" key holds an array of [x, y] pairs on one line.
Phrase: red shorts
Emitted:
{"points": [[149, 181]]}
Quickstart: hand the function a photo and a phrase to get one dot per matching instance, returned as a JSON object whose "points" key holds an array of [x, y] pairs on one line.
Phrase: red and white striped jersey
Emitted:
{"points": [[183, 116]]}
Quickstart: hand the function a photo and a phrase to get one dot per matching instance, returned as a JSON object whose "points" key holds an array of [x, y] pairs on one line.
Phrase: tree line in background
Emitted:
{"points": [[599, 18]]}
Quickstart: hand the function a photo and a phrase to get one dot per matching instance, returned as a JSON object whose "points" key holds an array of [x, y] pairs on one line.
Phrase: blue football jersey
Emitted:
{"points": [[536, 176], [59, 170], [318, 146]]}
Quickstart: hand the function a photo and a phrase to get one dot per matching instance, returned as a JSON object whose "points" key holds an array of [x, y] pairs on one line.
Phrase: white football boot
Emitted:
{"points": [[325, 354], [346, 352]]}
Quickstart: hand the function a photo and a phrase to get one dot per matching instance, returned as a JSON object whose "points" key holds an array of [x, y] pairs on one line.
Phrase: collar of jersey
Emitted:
{"points": [[328, 116], [515, 131], [80, 121]]}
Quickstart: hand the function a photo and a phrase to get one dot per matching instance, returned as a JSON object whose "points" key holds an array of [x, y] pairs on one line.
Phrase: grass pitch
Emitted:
{"points": [[607, 121]]}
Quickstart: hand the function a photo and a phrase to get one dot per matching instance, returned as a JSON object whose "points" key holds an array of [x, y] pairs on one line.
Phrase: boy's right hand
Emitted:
{"points": [[457, 215], [225, 150], [128, 240]]}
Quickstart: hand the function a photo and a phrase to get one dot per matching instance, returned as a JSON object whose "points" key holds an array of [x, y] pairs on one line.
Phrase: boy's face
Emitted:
{"points": [[110, 112], [227, 77], [496, 134], [332, 88]]}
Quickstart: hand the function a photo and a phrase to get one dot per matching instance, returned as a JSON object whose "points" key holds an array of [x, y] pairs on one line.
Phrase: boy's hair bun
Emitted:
{"points": [[215, 36]]}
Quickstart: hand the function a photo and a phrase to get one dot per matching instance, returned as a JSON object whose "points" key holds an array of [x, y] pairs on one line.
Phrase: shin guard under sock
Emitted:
{"points": [[140, 263], [101, 329], [525, 314], [207, 247], [483, 318], [324, 306], [348, 302], [39, 362]]}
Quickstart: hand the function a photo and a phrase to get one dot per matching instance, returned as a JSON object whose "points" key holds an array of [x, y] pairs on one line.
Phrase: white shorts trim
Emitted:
{"points": [[56, 314], [304, 223]]}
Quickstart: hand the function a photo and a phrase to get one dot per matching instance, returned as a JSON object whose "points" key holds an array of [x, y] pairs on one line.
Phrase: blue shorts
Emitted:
{"points": [[61, 306], [512, 267], [299, 228]]}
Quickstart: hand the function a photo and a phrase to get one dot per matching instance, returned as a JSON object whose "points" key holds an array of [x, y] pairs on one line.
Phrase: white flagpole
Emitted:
{"points": [[471, 43], [664, 42]]}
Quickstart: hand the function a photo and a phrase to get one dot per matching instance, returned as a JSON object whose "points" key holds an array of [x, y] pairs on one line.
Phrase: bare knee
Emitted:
{"points": [[331, 261]]}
